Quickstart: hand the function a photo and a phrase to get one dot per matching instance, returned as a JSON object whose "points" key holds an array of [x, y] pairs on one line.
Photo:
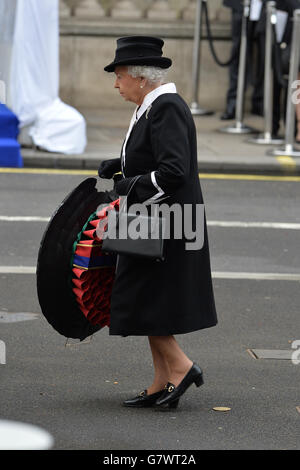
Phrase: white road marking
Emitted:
{"points": [[256, 276], [17, 269], [9, 218], [211, 223], [275, 225], [215, 274]]}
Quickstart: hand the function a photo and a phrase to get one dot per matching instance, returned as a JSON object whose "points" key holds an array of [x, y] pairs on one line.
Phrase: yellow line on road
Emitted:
{"points": [[219, 176], [50, 171], [287, 162]]}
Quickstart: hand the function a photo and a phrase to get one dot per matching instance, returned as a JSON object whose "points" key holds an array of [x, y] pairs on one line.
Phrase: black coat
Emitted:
{"points": [[174, 296], [289, 6], [236, 5], [286, 5]]}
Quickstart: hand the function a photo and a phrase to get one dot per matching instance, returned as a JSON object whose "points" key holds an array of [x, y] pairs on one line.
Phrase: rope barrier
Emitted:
{"points": [[195, 108], [233, 57]]}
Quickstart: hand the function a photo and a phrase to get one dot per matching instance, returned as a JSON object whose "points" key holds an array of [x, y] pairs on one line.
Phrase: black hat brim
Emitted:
{"points": [[163, 62]]}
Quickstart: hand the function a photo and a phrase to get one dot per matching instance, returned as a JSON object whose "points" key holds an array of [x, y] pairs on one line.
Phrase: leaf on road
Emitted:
{"points": [[221, 408]]}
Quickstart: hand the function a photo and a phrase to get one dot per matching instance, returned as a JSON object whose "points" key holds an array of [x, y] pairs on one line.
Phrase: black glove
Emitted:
{"points": [[108, 168], [122, 186]]}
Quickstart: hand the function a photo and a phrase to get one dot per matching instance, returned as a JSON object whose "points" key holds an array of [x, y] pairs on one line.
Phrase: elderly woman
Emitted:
{"points": [[175, 296]]}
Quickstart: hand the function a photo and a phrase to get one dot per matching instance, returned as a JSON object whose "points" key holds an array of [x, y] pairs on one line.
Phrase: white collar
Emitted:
{"points": [[152, 95], [139, 111]]}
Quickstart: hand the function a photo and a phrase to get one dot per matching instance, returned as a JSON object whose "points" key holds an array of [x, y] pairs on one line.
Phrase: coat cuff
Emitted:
{"points": [[148, 191]]}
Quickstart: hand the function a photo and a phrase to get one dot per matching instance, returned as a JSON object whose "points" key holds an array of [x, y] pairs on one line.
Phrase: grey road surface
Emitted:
{"points": [[75, 392]]}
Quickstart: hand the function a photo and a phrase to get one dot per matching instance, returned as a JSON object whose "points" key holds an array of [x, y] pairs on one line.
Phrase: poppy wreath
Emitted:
{"points": [[92, 270], [73, 277]]}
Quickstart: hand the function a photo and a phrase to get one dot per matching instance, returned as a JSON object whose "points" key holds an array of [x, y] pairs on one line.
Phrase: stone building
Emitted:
{"points": [[88, 33]]}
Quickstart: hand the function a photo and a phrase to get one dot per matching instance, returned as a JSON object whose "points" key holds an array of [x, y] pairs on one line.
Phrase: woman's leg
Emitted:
{"points": [[161, 369], [170, 362]]}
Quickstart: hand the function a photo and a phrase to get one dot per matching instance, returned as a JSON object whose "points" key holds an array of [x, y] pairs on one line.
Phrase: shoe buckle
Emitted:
{"points": [[171, 388], [141, 394]]}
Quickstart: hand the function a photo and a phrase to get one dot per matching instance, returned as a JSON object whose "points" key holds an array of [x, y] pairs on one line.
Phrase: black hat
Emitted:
{"points": [[139, 50]]}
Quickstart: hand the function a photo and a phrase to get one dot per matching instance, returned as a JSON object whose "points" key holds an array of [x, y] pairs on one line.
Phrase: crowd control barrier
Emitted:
{"points": [[292, 96]]}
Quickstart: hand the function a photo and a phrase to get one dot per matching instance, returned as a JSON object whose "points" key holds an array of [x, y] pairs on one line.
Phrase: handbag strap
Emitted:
{"points": [[131, 185]]}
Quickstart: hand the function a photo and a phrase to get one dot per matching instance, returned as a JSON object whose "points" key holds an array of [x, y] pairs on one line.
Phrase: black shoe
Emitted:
{"points": [[172, 393], [227, 115], [143, 400]]}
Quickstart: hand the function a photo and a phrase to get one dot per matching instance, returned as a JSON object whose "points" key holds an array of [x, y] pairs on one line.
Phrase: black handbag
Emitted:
{"points": [[118, 236]]}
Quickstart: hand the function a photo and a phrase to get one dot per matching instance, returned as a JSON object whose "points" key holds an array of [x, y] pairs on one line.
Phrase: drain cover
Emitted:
{"points": [[271, 353], [7, 317]]}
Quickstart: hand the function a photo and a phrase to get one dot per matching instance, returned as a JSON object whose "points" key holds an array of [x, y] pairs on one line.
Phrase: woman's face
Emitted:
{"points": [[128, 86]]}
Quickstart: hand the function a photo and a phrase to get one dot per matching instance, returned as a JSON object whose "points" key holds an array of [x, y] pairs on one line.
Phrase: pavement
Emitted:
{"points": [[217, 151]]}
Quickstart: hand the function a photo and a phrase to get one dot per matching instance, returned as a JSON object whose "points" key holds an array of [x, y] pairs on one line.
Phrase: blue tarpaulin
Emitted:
{"points": [[10, 154]]}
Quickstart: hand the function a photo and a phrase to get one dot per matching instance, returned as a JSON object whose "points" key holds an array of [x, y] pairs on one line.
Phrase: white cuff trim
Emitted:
{"points": [[154, 182]]}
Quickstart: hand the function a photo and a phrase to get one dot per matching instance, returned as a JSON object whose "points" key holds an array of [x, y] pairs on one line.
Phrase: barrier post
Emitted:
{"points": [[195, 108], [266, 138], [288, 149], [239, 127]]}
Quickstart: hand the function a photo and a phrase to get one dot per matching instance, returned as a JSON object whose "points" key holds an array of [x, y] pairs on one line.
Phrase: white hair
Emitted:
{"points": [[154, 75]]}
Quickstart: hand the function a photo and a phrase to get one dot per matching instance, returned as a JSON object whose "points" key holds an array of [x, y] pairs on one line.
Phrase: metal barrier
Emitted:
{"points": [[195, 108], [266, 138], [239, 127], [288, 149]]}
